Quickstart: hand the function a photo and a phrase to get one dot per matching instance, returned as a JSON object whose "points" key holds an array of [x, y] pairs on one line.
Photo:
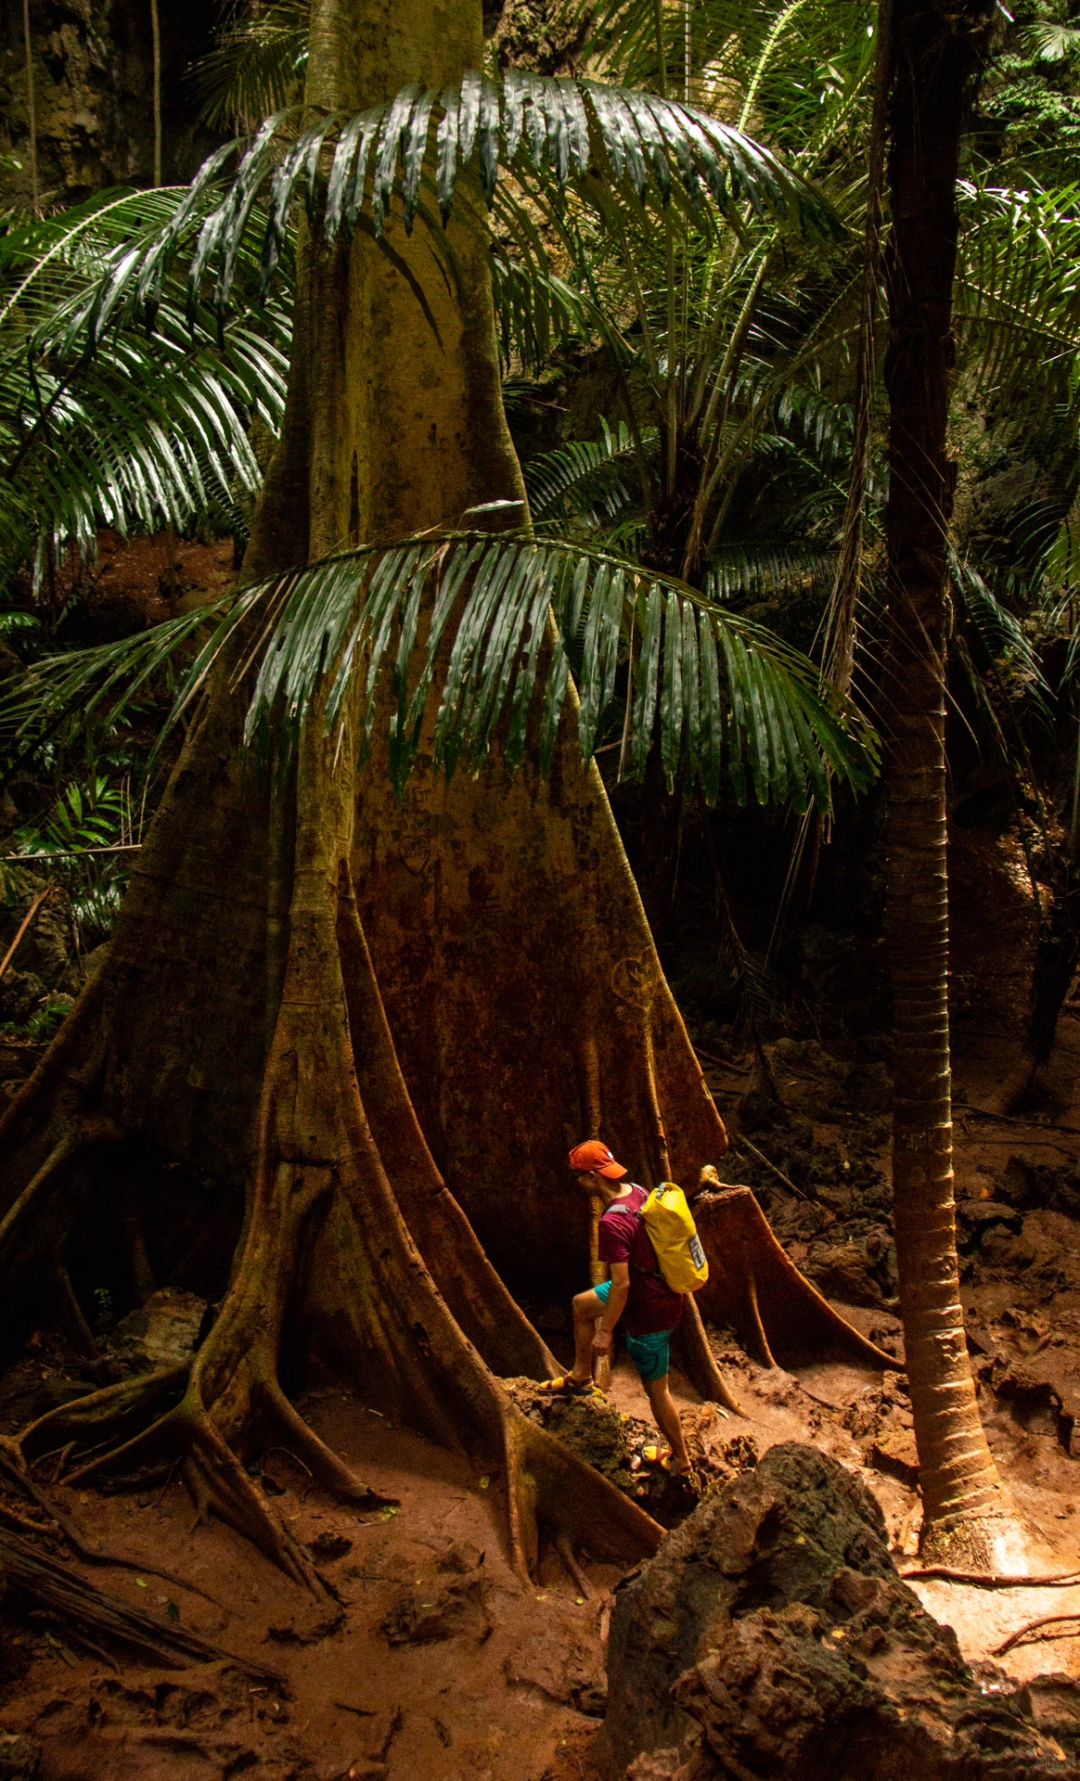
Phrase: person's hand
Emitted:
{"points": [[602, 1341]]}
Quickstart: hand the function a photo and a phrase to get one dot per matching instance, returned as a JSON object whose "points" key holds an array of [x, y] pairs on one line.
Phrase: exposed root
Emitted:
{"points": [[698, 1362], [155, 1438], [100, 1416], [572, 1568], [71, 1312], [326, 1465], [548, 1487], [755, 1288], [90, 1614], [215, 1478], [990, 1579], [1034, 1626], [220, 1486], [14, 1470], [23, 1524]]}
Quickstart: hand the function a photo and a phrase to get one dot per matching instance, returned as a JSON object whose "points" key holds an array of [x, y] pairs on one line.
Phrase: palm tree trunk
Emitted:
{"points": [[935, 46], [155, 33], [31, 110]]}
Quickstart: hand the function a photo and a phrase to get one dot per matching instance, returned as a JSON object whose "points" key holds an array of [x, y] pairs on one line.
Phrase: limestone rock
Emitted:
{"points": [[771, 1636]]}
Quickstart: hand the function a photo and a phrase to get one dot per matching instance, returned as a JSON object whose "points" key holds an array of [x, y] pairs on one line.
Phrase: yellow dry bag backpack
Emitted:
{"points": [[669, 1221]]}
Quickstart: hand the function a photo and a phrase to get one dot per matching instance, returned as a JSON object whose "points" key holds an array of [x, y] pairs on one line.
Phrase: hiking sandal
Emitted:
{"points": [[566, 1386], [655, 1453], [651, 1453]]}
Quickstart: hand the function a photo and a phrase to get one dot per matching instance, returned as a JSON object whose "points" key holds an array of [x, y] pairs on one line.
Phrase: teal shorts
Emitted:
{"points": [[651, 1355]]}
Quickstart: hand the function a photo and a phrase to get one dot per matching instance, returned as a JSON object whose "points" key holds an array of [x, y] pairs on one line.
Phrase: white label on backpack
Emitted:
{"points": [[697, 1254]]}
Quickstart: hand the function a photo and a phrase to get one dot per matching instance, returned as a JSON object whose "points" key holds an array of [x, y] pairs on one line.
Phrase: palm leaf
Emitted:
{"points": [[584, 477], [559, 130], [1017, 298], [256, 65], [734, 701], [102, 423], [494, 595]]}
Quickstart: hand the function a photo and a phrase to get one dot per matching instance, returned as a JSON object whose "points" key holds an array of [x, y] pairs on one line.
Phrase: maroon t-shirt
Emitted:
{"points": [[651, 1306]]}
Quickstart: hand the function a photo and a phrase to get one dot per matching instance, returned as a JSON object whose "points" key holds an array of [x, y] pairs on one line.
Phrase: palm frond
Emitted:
{"points": [[746, 572], [726, 699], [97, 686], [102, 423], [537, 312], [778, 65], [1018, 298], [1051, 40], [999, 631], [256, 65], [730, 698], [559, 132], [585, 477]]}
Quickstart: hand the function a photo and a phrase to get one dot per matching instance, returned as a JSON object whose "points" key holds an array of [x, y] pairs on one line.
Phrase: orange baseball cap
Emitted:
{"points": [[594, 1158]]}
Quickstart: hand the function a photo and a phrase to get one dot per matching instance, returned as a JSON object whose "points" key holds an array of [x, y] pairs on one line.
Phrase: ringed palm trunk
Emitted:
{"points": [[934, 49]]}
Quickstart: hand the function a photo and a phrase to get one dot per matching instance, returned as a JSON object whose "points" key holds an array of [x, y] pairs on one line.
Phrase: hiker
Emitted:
{"points": [[637, 1289]]}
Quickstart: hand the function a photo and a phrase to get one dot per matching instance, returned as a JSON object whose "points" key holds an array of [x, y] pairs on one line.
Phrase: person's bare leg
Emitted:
{"points": [[666, 1415], [587, 1308]]}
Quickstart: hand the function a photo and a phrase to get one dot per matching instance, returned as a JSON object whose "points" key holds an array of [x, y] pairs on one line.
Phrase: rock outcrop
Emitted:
{"points": [[772, 1637]]}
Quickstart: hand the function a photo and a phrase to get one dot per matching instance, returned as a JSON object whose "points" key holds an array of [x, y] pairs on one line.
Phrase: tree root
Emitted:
{"points": [[89, 1614], [990, 1579], [1034, 1626], [13, 1468], [92, 1420], [548, 1487], [572, 1568], [327, 1466], [755, 1288], [22, 1524], [698, 1362]]}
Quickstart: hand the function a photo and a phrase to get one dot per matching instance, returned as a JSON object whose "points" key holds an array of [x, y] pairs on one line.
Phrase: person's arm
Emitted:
{"points": [[620, 1292]]}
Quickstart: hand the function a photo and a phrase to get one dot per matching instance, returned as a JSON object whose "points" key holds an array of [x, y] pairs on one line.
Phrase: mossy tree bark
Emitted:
{"points": [[369, 1030], [935, 45]]}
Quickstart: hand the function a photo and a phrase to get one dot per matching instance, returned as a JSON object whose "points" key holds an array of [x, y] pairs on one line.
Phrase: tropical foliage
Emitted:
{"points": [[721, 287], [104, 423], [728, 695]]}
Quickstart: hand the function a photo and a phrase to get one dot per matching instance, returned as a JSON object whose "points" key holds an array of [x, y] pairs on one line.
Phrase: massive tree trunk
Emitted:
{"points": [[934, 49], [347, 1018]]}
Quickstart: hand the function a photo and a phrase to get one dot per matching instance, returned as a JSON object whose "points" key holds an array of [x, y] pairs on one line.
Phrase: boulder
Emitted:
{"points": [[771, 1636]]}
